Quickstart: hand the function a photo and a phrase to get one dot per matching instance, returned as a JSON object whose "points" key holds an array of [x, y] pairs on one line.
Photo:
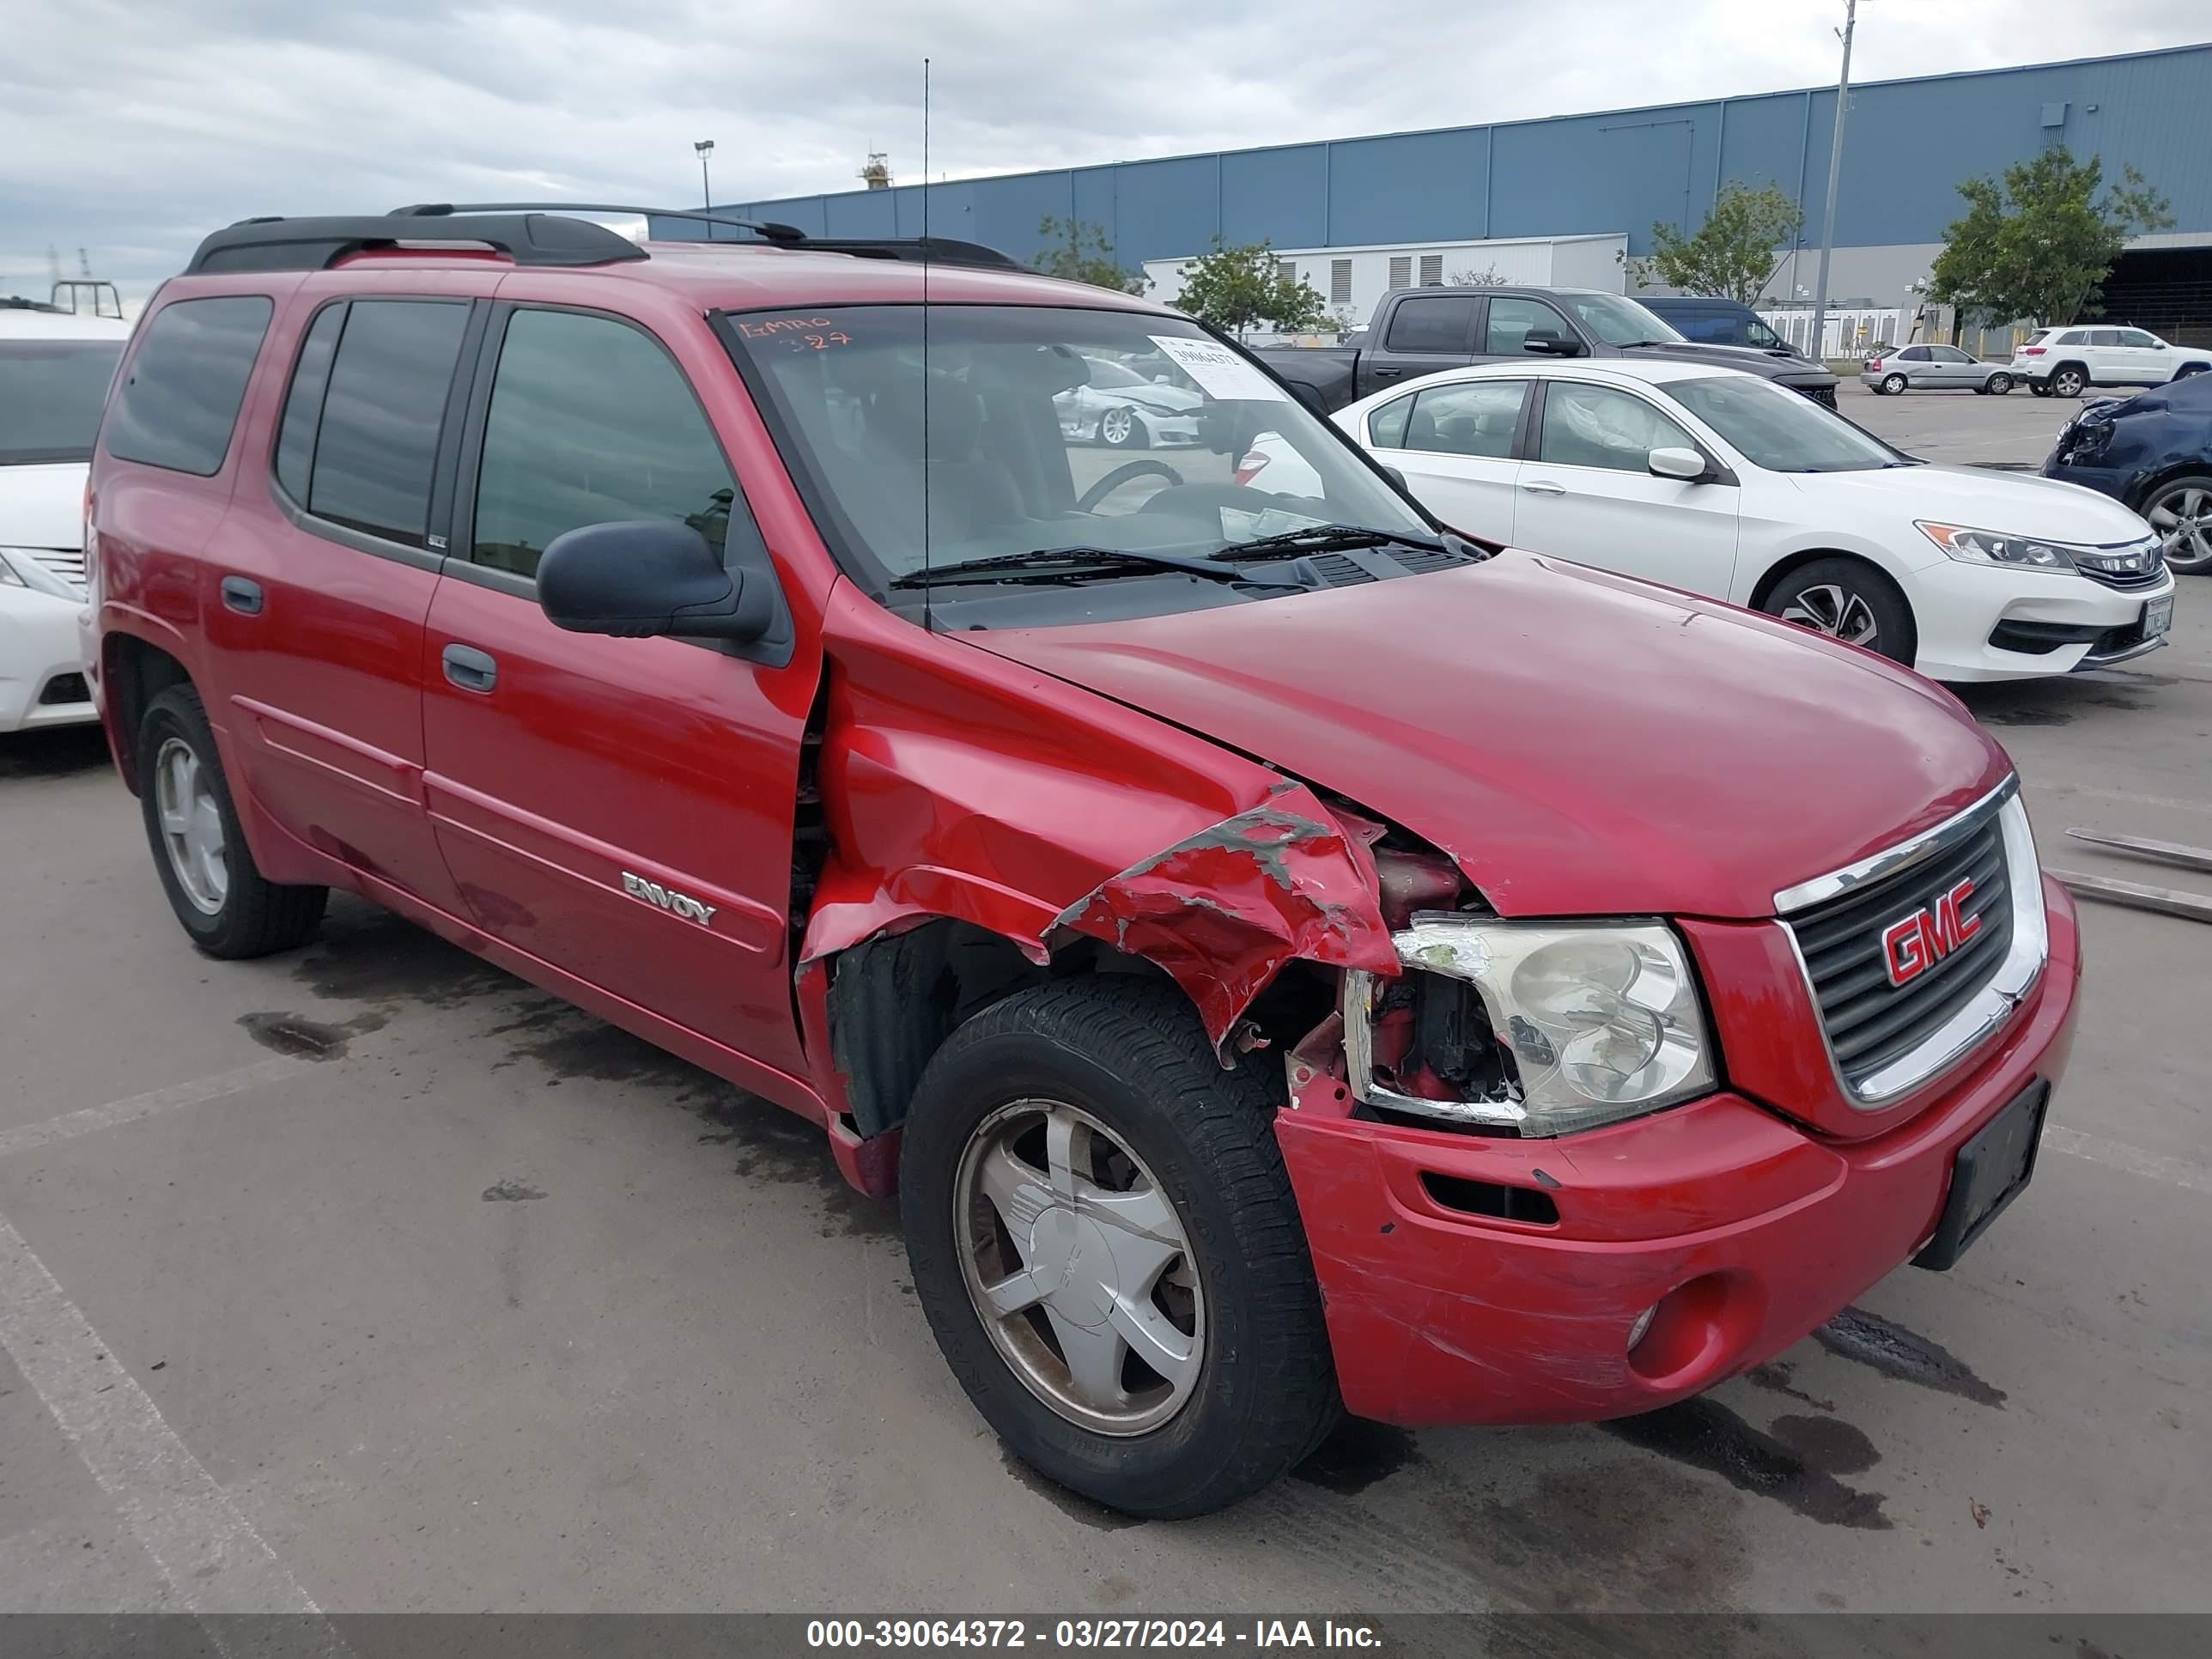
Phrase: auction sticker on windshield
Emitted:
{"points": [[1219, 371]]}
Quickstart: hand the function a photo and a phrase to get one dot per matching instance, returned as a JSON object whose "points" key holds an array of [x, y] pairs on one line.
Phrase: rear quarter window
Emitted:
{"points": [[178, 403]]}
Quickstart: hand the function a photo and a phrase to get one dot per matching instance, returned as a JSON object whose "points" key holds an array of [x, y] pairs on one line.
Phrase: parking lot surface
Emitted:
{"points": [[371, 1278], [1961, 428]]}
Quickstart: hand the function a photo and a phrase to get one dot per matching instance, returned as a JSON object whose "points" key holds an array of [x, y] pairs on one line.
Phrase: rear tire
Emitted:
{"points": [[1892, 384], [2069, 381], [1124, 1063], [230, 910], [1998, 385], [1851, 600]]}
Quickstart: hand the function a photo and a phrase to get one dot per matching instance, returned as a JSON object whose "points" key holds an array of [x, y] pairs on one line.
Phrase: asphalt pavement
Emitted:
{"points": [[369, 1279], [1964, 429]]}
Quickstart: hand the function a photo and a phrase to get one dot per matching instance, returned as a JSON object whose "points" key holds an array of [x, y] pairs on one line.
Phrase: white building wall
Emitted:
{"points": [[1542, 262]]}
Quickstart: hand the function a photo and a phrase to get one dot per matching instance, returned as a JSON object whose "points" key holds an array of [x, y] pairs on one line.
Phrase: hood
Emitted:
{"points": [[1775, 366], [1168, 399], [42, 505], [1979, 498], [1581, 743]]}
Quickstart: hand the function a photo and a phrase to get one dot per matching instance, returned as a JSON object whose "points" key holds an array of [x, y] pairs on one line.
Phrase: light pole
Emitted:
{"points": [[705, 147], [1835, 178]]}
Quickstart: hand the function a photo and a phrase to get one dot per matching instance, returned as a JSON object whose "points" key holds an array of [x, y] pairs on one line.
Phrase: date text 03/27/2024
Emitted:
{"points": [[1087, 1633]]}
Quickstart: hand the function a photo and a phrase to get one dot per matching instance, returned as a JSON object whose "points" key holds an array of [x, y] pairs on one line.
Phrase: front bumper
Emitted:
{"points": [[1977, 623], [41, 668], [1747, 1230]]}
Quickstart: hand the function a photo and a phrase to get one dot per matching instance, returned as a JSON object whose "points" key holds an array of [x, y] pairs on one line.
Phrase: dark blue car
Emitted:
{"points": [[2152, 452]]}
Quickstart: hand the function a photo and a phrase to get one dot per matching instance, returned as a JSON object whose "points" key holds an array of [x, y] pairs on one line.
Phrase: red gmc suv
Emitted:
{"points": [[1282, 954]]}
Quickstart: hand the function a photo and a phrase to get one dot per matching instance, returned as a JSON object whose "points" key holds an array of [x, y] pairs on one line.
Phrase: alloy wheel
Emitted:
{"points": [[1836, 612], [1114, 426], [192, 825], [2066, 383], [2183, 517], [1079, 1267]]}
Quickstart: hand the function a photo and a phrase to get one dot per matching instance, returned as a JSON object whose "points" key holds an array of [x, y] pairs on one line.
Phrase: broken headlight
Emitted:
{"points": [[1597, 1021]]}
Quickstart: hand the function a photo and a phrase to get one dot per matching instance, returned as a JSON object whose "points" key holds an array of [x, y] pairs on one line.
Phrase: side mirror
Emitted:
{"points": [[655, 576], [1163, 378], [1550, 343], [1672, 462], [1395, 476]]}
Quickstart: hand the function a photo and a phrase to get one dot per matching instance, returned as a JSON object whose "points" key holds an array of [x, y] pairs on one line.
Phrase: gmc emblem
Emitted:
{"points": [[1913, 944]]}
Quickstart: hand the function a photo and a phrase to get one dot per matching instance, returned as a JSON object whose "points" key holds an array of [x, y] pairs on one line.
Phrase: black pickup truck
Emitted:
{"points": [[1419, 330]]}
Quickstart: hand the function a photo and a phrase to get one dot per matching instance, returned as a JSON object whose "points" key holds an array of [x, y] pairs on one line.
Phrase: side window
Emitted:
{"points": [[1435, 322], [591, 422], [2103, 336], [1949, 354], [1386, 427], [2135, 336], [179, 403], [378, 444], [303, 402], [1756, 332], [1709, 327], [1597, 426], [2073, 336], [1512, 321], [1475, 418], [1914, 354]]}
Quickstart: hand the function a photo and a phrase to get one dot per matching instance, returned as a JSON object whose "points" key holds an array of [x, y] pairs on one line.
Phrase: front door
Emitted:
{"points": [[1588, 493], [621, 809], [1954, 368], [1455, 445]]}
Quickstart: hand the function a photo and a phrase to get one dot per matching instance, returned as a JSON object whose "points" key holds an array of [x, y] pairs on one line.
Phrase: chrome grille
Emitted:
{"points": [[1885, 1038]]}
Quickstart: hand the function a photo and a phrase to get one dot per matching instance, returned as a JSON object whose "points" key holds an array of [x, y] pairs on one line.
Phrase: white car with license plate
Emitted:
{"points": [[1724, 484], [54, 370]]}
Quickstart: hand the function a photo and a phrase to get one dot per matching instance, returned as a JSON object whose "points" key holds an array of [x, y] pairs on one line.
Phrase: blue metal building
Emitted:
{"points": [[1908, 144]]}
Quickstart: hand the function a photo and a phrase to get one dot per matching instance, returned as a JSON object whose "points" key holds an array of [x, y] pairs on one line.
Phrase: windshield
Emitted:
{"points": [[1782, 431], [1029, 448], [1619, 322], [50, 391]]}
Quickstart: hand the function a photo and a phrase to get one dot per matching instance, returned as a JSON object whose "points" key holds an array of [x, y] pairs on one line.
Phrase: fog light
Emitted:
{"points": [[1643, 1324]]}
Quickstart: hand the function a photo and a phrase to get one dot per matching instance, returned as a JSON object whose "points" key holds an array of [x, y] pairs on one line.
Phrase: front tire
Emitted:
{"points": [[200, 852], [1892, 384], [2180, 511], [1121, 428], [1848, 599], [2040, 388], [1104, 1239]]}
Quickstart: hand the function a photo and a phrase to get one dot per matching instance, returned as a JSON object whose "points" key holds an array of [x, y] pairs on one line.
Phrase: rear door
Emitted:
{"points": [[1455, 444], [1424, 333], [317, 588], [2107, 360], [1588, 492], [619, 809]]}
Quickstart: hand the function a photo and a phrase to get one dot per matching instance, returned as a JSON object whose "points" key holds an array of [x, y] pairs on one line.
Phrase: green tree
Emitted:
{"points": [[2040, 244], [1731, 254], [1078, 252], [1238, 289]]}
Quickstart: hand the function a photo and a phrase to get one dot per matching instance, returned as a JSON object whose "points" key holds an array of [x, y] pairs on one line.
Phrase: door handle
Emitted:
{"points": [[470, 668], [1387, 374], [242, 595], [1544, 486]]}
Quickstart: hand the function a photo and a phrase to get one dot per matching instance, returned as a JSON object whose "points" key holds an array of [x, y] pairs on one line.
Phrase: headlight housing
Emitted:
{"points": [[1595, 1022], [1988, 547]]}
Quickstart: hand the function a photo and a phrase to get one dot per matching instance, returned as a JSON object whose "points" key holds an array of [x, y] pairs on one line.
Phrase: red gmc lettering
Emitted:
{"points": [[1913, 944]]}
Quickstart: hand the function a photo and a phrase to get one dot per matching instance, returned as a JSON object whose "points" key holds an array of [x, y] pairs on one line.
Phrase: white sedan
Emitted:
{"points": [[1723, 484]]}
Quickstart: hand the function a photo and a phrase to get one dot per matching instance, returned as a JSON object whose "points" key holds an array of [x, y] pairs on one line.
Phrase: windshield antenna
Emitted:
{"points": [[928, 621]]}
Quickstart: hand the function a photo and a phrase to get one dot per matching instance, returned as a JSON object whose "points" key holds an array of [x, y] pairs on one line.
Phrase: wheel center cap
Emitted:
{"points": [[1071, 1261]]}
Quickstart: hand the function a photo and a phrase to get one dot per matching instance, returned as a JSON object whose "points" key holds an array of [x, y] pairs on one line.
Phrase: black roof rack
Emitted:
{"points": [[528, 239], [530, 233]]}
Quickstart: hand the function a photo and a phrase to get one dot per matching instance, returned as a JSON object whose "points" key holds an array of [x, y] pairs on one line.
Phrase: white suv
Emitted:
{"points": [[2064, 361], [54, 370]]}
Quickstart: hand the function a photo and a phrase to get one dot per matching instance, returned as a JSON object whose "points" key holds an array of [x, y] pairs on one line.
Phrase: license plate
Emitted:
{"points": [[2158, 617], [1988, 1173]]}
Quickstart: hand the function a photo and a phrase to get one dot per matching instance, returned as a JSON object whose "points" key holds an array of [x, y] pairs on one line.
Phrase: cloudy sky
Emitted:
{"points": [[132, 127]]}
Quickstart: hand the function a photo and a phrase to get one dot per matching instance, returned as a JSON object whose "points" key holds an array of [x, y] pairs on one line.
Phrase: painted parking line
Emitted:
{"points": [[153, 1102], [2119, 1154], [207, 1550]]}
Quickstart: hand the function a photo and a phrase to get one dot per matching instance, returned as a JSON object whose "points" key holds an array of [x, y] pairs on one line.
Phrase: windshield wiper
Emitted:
{"points": [[1045, 564], [1316, 536]]}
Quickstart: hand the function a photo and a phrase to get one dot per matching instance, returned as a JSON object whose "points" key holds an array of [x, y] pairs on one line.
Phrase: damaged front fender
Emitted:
{"points": [[1222, 910]]}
